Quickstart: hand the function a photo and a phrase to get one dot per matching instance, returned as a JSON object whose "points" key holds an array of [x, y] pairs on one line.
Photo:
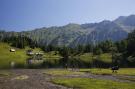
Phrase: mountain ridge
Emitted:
{"points": [[81, 34]]}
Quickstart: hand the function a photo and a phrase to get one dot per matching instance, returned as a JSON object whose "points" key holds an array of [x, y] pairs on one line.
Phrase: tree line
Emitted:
{"points": [[123, 52]]}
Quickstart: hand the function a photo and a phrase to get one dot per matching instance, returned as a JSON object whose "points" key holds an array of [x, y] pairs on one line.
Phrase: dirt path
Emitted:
{"points": [[34, 79]]}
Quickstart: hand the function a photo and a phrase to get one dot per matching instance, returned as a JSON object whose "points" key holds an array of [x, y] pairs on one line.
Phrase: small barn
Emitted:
{"points": [[39, 53], [12, 50]]}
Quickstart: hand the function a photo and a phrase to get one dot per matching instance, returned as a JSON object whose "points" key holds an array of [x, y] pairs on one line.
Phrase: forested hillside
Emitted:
{"points": [[75, 34], [104, 54]]}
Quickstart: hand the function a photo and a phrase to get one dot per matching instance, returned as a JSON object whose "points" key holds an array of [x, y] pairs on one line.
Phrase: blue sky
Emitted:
{"points": [[18, 15]]}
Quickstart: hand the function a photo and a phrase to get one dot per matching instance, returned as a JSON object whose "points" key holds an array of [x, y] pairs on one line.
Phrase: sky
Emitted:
{"points": [[20, 15]]}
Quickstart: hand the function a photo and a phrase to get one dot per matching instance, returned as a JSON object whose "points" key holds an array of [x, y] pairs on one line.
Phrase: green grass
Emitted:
{"points": [[52, 55], [86, 57], [60, 72], [88, 83], [19, 57], [106, 57], [121, 71]]}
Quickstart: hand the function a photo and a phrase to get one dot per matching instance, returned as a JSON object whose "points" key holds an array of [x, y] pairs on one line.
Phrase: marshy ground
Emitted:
{"points": [[66, 79]]}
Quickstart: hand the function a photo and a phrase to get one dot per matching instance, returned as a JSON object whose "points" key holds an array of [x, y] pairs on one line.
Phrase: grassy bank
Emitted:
{"points": [[121, 71], [6, 57], [88, 83], [19, 57]]}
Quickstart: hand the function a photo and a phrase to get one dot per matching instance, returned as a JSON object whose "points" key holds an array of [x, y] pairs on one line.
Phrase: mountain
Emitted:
{"points": [[76, 34], [105, 30], [56, 35], [126, 22]]}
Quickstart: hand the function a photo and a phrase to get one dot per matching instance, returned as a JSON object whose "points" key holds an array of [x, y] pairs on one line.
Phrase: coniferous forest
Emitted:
{"points": [[122, 52]]}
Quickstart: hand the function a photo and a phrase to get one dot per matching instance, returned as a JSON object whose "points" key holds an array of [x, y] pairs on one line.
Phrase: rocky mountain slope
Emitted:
{"points": [[75, 34]]}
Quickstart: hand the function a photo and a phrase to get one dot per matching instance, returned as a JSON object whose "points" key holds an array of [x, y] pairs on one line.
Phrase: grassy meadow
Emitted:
{"points": [[6, 57], [93, 83], [20, 56], [121, 71], [89, 83]]}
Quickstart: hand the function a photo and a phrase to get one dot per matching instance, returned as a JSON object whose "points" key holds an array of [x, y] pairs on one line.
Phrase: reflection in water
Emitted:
{"points": [[62, 63], [69, 63]]}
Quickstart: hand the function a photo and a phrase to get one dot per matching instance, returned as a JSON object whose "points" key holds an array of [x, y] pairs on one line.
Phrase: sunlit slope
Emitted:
{"points": [[6, 57]]}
